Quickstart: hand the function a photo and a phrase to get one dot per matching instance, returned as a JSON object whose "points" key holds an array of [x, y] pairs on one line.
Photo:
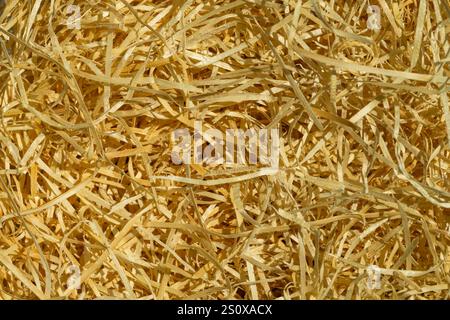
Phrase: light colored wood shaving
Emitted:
{"points": [[93, 207]]}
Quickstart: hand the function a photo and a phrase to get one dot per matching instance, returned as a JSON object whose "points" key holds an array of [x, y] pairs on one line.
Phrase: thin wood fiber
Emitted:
{"points": [[89, 194]]}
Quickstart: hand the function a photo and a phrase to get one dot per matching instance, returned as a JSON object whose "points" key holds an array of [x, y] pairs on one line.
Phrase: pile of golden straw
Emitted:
{"points": [[92, 205]]}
